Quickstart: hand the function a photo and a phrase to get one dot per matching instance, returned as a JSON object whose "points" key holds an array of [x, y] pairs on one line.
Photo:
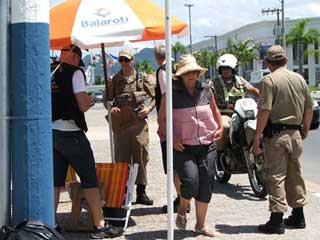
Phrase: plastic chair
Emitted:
{"points": [[117, 180]]}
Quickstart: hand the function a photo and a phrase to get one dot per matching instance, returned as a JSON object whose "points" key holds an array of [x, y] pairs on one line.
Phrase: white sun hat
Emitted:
{"points": [[188, 63]]}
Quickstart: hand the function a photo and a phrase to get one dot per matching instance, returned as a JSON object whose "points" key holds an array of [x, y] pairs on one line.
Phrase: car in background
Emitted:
{"points": [[97, 96], [255, 79], [316, 96], [316, 116], [256, 76]]}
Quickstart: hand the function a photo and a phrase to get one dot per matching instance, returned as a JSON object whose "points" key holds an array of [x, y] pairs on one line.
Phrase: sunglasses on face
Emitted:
{"points": [[124, 59]]}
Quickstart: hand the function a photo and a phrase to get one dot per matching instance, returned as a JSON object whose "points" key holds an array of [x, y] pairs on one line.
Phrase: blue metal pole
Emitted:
{"points": [[32, 166], [4, 112]]}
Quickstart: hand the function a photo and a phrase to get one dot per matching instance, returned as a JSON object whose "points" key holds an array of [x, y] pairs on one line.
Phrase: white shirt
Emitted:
{"points": [[162, 81], [78, 85]]}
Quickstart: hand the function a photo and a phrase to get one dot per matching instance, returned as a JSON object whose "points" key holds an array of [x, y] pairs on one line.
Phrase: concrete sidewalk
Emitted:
{"points": [[234, 211]]}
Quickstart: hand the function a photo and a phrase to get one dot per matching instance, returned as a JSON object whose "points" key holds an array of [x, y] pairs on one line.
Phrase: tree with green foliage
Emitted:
{"points": [[145, 66], [178, 47], [244, 50], [300, 36], [207, 59]]}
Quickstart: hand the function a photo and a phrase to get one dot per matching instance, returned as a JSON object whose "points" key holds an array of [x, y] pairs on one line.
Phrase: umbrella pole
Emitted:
{"points": [[105, 73], [169, 124]]}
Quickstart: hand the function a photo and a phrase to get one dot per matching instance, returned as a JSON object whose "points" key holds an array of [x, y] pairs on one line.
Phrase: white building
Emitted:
{"points": [[263, 34]]}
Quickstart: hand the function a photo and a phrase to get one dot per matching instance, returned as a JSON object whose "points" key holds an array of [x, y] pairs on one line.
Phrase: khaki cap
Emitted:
{"points": [[126, 53], [188, 63], [276, 53]]}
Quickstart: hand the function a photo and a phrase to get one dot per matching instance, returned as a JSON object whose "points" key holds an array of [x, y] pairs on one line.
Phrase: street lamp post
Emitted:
{"points": [[190, 6]]}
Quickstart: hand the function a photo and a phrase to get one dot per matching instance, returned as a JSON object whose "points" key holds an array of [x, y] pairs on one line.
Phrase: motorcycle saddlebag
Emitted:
{"points": [[29, 230]]}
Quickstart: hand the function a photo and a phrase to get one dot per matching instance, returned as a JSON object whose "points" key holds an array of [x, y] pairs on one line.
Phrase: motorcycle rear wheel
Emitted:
{"points": [[220, 174], [256, 173]]}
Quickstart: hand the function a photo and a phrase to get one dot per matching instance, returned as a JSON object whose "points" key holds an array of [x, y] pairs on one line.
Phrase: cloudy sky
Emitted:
{"points": [[210, 17]]}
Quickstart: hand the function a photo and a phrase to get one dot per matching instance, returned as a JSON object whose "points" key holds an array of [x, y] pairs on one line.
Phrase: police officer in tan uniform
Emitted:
{"points": [[128, 91], [228, 88], [285, 105]]}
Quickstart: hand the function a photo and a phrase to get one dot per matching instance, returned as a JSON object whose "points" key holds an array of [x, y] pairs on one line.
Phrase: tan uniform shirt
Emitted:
{"points": [[286, 95], [127, 128], [120, 85]]}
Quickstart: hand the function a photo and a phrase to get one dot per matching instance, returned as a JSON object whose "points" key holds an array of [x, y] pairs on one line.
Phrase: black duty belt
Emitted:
{"points": [[281, 127], [273, 129]]}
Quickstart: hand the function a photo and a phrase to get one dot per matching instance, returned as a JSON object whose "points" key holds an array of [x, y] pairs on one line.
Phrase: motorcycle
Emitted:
{"points": [[238, 157]]}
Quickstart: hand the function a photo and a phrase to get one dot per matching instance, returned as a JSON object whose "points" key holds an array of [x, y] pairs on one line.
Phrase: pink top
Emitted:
{"points": [[194, 125]]}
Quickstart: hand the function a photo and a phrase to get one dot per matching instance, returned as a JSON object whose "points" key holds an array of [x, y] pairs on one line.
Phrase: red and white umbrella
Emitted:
{"points": [[88, 23], [95, 23]]}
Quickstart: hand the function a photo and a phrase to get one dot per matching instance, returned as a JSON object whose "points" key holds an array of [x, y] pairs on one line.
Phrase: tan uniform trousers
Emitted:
{"points": [[285, 184], [131, 145], [223, 141]]}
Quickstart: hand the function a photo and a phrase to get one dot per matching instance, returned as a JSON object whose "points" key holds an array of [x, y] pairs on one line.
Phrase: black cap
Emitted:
{"points": [[75, 49]]}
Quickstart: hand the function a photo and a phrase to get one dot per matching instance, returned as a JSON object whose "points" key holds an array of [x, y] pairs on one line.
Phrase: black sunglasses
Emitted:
{"points": [[124, 59]]}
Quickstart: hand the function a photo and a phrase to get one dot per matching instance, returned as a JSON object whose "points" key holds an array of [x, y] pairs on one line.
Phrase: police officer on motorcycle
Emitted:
{"points": [[229, 87]]}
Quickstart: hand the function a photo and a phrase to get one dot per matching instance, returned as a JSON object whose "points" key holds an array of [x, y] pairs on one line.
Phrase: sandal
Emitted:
{"points": [[181, 222], [206, 231]]}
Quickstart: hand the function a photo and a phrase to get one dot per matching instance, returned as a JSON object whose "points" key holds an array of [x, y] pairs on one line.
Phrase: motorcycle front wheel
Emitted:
{"points": [[256, 173], [219, 172]]}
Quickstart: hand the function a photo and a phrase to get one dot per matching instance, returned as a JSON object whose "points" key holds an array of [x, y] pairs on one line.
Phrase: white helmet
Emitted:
{"points": [[227, 60]]}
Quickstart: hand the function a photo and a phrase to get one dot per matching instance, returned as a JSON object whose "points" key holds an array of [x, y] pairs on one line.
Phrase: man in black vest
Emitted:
{"points": [[70, 144]]}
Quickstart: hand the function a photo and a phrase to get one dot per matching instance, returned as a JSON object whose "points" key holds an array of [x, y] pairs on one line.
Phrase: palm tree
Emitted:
{"points": [[178, 47], [144, 66], [300, 36], [244, 50]]}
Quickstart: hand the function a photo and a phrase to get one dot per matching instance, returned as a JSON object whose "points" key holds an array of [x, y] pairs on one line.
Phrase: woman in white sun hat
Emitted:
{"points": [[196, 126]]}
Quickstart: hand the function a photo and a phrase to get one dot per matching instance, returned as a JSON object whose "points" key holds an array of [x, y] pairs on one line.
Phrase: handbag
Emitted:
{"points": [[29, 230]]}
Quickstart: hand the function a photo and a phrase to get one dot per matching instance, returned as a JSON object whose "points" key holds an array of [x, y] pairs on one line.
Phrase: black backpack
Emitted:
{"points": [[29, 230]]}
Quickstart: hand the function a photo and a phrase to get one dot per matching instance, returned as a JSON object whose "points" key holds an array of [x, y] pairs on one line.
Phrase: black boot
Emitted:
{"points": [[142, 197], [274, 225], [296, 219]]}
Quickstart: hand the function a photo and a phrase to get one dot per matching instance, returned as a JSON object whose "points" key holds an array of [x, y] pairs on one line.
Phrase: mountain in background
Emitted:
{"points": [[147, 54], [144, 54]]}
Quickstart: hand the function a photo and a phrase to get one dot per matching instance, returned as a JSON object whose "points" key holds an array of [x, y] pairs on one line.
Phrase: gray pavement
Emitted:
{"points": [[234, 211]]}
